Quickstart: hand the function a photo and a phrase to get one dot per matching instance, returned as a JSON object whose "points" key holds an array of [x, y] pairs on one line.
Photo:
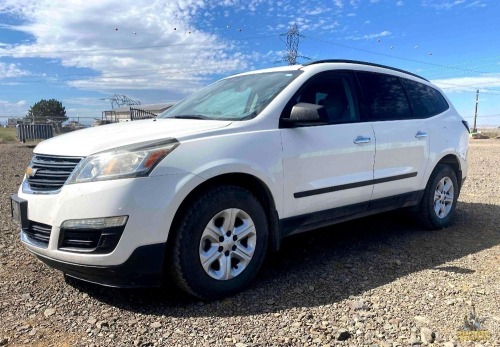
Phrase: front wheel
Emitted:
{"points": [[438, 204], [220, 243]]}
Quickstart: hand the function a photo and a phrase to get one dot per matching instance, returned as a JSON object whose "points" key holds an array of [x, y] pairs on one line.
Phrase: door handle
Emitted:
{"points": [[361, 139], [421, 134]]}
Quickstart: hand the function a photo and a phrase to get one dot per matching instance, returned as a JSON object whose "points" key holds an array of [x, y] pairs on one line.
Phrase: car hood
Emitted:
{"points": [[97, 139]]}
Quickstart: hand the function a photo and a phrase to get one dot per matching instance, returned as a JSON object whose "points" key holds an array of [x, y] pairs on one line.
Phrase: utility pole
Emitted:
{"points": [[474, 130]]}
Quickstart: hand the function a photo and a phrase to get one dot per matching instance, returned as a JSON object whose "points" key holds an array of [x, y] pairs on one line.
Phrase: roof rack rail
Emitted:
{"points": [[363, 63]]}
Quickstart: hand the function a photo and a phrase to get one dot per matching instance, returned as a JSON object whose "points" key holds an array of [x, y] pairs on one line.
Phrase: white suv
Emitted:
{"points": [[206, 189]]}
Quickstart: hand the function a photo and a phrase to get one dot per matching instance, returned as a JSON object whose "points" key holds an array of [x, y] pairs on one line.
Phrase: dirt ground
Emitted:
{"points": [[378, 281]]}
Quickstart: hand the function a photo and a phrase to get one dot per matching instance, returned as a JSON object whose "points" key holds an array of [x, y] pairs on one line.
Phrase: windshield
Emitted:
{"points": [[234, 98]]}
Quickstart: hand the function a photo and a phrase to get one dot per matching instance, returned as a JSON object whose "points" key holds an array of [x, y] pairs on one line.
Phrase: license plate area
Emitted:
{"points": [[19, 210]]}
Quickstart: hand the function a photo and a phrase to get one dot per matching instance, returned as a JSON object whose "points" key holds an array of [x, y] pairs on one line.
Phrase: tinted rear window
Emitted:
{"points": [[384, 96], [425, 101]]}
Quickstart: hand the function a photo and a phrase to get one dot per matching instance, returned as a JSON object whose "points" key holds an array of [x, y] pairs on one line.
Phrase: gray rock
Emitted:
{"points": [[414, 340], [102, 325], [357, 305], [423, 320], [4, 341], [449, 344], [49, 312], [427, 335], [155, 325]]}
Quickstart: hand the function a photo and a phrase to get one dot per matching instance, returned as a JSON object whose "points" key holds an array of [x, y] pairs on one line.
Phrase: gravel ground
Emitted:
{"points": [[378, 281]]}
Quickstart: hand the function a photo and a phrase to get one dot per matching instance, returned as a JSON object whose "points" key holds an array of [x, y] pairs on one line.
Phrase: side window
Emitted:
{"points": [[384, 96], [425, 100], [332, 90]]}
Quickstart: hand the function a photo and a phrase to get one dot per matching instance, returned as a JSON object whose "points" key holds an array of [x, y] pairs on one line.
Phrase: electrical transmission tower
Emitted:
{"points": [[292, 45], [118, 100]]}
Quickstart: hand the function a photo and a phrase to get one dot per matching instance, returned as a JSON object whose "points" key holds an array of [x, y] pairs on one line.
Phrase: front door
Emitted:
{"points": [[330, 165]]}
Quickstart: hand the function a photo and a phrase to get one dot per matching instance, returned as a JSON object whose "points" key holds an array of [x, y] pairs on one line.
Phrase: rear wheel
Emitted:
{"points": [[438, 204], [220, 243]]}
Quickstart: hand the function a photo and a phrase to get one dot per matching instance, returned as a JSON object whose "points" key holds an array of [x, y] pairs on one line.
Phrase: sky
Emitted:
{"points": [[83, 52]]}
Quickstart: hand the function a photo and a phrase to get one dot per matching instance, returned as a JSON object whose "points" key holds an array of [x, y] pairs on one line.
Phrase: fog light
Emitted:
{"points": [[95, 223]]}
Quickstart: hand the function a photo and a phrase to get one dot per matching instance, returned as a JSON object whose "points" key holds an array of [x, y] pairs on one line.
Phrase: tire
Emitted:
{"points": [[219, 244], [440, 197]]}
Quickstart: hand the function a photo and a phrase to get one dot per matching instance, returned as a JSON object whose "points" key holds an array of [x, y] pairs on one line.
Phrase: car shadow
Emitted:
{"points": [[331, 264]]}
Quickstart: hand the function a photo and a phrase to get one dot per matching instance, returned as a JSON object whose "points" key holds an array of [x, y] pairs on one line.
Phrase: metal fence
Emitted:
{"points": [[138, 114], [34, 132]]}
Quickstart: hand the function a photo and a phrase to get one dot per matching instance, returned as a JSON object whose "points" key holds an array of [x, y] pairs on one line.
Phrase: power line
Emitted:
{"points": [[127, 48], [155, 71], [470, 62], [393, 56], [464, 88], [479, 116]]}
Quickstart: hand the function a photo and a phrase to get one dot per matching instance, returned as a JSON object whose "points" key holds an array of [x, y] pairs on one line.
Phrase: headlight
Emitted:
{"points": [[131, 161]]}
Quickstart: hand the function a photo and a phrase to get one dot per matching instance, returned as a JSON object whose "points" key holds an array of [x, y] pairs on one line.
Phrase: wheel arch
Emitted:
{"points": [[247, 181], [452, 161]]}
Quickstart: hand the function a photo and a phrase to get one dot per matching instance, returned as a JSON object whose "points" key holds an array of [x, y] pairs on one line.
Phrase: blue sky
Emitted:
{"points": [[81, 52]]}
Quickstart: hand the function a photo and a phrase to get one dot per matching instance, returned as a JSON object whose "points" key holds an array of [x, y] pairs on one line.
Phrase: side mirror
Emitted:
{"points": [[305, 114]]}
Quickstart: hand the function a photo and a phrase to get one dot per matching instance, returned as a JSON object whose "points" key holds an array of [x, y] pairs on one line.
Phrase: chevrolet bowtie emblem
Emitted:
{"points": [[30, 172]]}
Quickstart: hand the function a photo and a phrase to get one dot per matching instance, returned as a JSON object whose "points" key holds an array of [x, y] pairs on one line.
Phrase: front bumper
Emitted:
{"points": [[150, 204], [144, 268]]}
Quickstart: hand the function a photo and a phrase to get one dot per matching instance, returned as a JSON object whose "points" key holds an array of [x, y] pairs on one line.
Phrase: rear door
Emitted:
{"points": [[402, 140]]}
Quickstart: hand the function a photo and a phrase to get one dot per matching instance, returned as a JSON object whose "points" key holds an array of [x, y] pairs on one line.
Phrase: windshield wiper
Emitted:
{"points": [[190, 116]]}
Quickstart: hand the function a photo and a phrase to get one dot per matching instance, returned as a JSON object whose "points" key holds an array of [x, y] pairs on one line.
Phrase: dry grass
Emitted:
{"points": [[7, 134], [489, 132]]}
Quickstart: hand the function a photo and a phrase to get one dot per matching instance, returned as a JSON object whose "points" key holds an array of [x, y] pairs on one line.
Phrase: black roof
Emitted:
{"points": [[362, 63]]}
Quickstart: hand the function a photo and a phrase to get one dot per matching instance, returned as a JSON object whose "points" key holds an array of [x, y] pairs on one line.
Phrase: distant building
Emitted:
{"points": [[12, 122], [72, 126], [124, 113]]}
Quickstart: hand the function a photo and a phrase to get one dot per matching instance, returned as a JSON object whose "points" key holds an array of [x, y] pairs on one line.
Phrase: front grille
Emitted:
{"points": [[50, 172], [38, 233], [90, 240]]}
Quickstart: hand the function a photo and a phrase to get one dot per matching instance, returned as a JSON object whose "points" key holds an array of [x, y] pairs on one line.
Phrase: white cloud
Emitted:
{"points": [[400, 3], [156, 45], [315, 11], [12, 109], [448, 4], [338, 3], [11, 70], [370, 36], [478, 3], [467, 84]]}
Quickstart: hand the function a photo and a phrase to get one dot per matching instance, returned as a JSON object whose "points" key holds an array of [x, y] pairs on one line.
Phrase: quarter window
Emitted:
{"points": [[385, 96], [425, 100]]}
